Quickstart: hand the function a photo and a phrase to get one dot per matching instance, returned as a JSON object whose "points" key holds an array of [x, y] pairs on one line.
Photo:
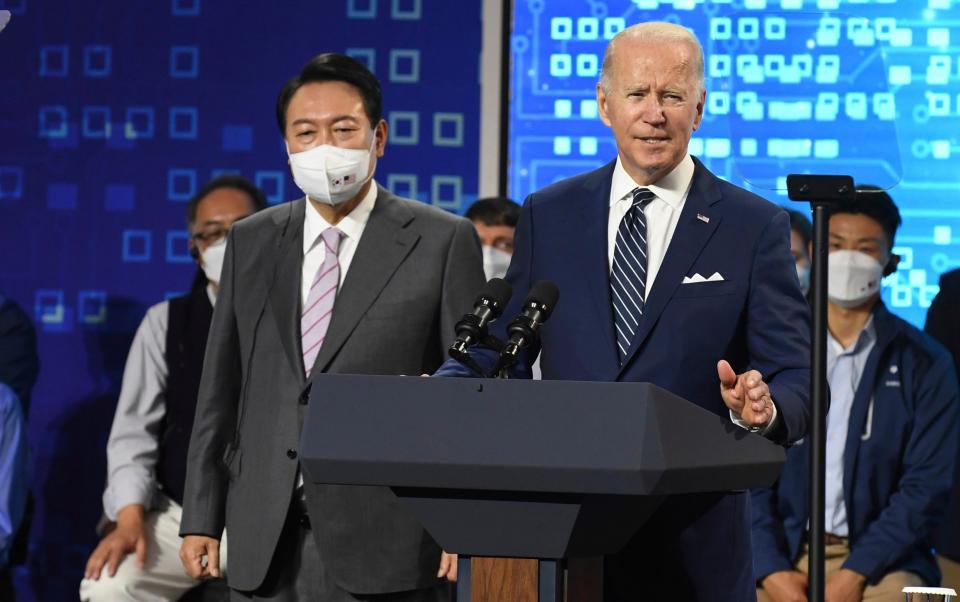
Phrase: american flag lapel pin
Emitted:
{"points": [[703, 218]]}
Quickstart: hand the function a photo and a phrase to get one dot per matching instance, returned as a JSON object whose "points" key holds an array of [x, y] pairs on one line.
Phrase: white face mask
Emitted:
{"points": [[495, 262], [330, 174], [854, 277], [211, 260], [803, 274]]}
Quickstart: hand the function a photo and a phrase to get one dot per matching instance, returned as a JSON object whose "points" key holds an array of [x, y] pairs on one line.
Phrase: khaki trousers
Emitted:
{"points": [[887, 590], [163, 578], [951, 572]]}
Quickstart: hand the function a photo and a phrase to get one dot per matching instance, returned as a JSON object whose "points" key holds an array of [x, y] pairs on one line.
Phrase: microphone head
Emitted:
{"points": [[495, 294], [544, 293]]}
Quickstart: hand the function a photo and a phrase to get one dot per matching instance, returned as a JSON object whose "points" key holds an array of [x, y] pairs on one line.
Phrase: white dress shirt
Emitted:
{"points": [[314, 251], [844, 369], [662, 215]]}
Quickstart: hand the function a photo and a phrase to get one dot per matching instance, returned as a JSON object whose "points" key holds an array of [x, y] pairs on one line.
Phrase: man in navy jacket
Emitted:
{"points": [[891, 435], [718, 317]]}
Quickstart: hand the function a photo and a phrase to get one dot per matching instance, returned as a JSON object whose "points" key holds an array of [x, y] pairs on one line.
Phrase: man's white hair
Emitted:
{"points": [[655, 31]]}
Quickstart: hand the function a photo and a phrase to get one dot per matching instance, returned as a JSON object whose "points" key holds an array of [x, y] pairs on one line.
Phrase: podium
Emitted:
{"points": [[547, 470]]}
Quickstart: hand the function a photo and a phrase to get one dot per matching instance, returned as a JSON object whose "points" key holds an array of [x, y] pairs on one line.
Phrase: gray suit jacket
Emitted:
{"points": [[416, 270]]}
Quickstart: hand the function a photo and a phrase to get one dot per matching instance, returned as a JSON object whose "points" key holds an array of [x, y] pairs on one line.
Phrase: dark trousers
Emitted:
{"points": [[298, 573]]}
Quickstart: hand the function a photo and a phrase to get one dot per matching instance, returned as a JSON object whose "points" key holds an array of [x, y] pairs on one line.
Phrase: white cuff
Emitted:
{"points": [[763, 430]]}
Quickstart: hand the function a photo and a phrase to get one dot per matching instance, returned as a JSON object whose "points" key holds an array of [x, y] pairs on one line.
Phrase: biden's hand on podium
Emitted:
{"points": [[448, 567], [127, 536], [786, 586], [746, 395], [200, 556]]}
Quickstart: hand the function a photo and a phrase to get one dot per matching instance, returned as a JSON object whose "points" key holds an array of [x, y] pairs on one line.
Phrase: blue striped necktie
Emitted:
{"points": [[629, 275]]}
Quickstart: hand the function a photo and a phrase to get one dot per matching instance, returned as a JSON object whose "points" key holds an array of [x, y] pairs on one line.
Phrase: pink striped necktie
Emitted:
{"points": [[319, 308]]}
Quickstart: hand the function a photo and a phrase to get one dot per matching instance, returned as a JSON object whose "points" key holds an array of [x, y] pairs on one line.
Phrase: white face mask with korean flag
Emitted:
{"points": [[330, 174]]}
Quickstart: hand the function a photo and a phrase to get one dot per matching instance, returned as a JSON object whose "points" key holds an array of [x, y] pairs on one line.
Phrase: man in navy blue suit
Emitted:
{"points": [[672, 276]]}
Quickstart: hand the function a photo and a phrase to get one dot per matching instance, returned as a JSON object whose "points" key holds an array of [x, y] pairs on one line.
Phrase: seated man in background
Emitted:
{"points": [[801, 237], [147, 449], [13, 480], [943, 324], [891, 435], [495, 219]]}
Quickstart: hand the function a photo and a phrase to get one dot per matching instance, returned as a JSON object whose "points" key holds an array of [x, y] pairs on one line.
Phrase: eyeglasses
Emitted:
{"points": [[210, 235]]}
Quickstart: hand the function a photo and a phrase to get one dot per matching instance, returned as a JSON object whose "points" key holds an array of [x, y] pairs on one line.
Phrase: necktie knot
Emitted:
{"points": [[331, 237], [642, 197]]}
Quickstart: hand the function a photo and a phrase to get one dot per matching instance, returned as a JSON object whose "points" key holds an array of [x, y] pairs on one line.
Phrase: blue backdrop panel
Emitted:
{"points": [[898, 106], [112, 114]]}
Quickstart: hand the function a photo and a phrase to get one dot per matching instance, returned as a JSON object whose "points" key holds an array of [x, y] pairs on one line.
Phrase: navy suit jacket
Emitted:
{"points": [[898, 464], [756, 318]]}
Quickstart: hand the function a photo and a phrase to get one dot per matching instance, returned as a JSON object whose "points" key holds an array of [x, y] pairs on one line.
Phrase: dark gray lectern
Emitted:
{"points": [[531, 469]]}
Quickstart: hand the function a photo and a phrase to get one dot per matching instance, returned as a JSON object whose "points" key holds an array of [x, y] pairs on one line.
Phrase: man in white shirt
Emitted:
{"points": [[146, 451]]}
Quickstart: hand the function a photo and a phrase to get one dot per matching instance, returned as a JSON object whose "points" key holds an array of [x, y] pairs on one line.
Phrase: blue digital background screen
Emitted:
{"points": [[869, 88]]}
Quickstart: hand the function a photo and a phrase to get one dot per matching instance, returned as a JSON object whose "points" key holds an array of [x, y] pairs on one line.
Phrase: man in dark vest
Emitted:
{"points": [[147, 449]]}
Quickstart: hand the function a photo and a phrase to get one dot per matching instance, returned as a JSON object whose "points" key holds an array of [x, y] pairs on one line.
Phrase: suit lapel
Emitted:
{"points": [[688, 240], [383, 246], [285, 287], [592, 231]]}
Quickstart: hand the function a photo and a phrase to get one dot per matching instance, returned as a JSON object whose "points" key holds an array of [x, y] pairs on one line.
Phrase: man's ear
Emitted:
{"points": [[194, 251], [892, 264]]}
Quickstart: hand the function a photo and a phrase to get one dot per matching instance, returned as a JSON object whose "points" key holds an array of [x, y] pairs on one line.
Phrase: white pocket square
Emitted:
{"points": [[697, 278]]}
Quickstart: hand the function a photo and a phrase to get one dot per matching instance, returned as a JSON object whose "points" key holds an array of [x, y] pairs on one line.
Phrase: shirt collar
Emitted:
{"points": [[671, 188], [352, 225], [867, 336]]}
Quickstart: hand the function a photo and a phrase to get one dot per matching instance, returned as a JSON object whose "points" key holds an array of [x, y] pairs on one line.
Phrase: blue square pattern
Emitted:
{"points": [[361, 9], [48, 308], [92, 307], [446, 192], [448, 129], [138, 123], [184, 61], [185, 8], [183, 123], [178, 247], [54, 61], [403, 184], [404, 127], [62, 196], [406, 10], [137, 246], [404, 66], [11, 182], [222, 171], [181, 184], [237, 137], [271, 183], [119, 197], [52, 122], [97, 61], [96, 123], [367, 56]]}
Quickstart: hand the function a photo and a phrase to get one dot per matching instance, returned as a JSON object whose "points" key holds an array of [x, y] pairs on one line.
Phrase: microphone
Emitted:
{"points": [[472, 327], [524, 329]]}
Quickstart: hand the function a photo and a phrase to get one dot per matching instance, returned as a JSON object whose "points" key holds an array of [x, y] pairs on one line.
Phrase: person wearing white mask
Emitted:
{"points": [[347, 279], [495, 219], [892, 434], [146, 453]]}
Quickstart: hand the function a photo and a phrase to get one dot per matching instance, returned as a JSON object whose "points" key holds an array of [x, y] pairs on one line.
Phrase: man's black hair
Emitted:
{"points": [[494, 211], [800, 224], [226, 181], [332, 66], [875, 203]]}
